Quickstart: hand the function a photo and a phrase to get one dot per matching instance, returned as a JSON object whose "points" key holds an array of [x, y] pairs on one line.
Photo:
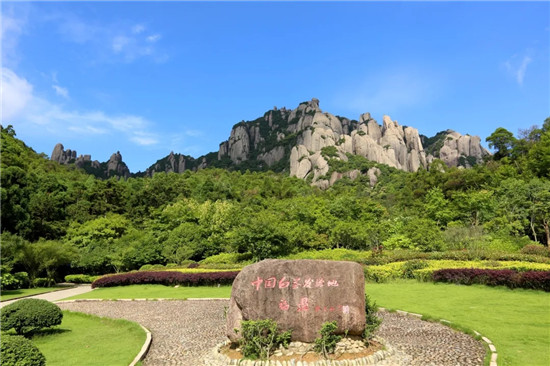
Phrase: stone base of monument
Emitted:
{"points": [[349, 352]]}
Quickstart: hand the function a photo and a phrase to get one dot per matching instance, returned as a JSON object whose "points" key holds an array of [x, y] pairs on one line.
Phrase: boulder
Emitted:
{"points": [[300, 295]]}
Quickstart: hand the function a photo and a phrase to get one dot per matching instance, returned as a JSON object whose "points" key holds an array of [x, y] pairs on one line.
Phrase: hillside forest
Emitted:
{"points": [[57, 219]]}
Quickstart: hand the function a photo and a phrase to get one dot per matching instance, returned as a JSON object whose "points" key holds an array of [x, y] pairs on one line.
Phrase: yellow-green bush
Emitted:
{"points": [[386, 272], [338, 254]]}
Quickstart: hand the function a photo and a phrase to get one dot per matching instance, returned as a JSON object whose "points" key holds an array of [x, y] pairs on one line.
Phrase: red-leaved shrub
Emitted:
{"points": [[167, 278], [537, 280]]}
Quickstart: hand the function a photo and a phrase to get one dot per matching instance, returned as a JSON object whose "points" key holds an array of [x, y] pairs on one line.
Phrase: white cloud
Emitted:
{"points": [[116, 42], [153, 38], [144, 140], [119, 43], [12, 27], [517, 69], [20, 106], [16, 94], [138, 28], [63, 92]]}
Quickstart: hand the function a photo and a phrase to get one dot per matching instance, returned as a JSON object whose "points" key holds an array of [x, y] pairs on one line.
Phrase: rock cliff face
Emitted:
{"points": [[113, 167], [116, 167], [306, 142], [296, 140]]}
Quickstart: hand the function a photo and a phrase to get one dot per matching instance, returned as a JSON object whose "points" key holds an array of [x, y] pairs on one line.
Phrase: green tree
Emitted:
{"points": [[503, 141]]}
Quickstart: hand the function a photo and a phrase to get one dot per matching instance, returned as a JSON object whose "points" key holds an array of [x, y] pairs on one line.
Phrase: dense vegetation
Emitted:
{"points": [[58, 220]]}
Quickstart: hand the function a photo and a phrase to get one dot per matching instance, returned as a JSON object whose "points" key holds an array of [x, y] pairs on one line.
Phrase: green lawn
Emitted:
{"points": [[154, 292], [12, 294], [516, 321], [88, 340]]}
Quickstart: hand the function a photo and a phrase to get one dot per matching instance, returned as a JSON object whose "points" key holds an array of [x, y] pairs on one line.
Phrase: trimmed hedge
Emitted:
{"points": [[168, 278], [536, 280], [423, 270], [28, 315], [19, 351], [80, 278]]}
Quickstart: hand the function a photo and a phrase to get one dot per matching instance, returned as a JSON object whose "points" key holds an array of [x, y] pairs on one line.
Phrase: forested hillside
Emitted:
{"points": [[57, 219]]}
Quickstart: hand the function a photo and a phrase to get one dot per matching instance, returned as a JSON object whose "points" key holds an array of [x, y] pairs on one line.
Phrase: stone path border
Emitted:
{"points": [[490, 344], [145, 348], [367, 360]]}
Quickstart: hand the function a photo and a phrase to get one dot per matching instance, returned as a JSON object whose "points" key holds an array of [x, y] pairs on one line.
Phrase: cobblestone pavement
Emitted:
{"points": [[422, 343], [185, 331]]}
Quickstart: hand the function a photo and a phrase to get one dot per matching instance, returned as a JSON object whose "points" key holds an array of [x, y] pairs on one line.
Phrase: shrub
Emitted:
{"points": [[372, 321], [193, 265], [168, 278], [28, 315], [227, 258], [42, 282], [152, 267], [410, 266], [537, 280], [19, 351], [536, 249], [259, 338], [338, 254], [327, 342], [9, 282], [423, 270], [81, 278], [23, 278], [384, 273]]}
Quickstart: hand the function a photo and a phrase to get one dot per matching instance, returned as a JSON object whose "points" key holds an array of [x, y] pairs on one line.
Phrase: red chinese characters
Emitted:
{"points": [[284, 283], [283, 305], [270, 282], [332, 283], [293, 283], [304, 304]]}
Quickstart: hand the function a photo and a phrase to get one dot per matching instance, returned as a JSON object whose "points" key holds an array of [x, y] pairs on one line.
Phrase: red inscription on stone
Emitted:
{"points": [[308, 282], [304, 304], [283, 305], [270, 282], [295, 283], [257, 283], [284, 283], [320, 282], [332, 283]]}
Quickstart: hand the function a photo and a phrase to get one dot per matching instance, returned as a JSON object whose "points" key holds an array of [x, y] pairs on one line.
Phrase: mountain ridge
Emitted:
{"points": [[304, 142]]}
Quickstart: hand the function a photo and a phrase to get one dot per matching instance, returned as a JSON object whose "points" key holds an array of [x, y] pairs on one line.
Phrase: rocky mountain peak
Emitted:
{"points": [[113, 167]]}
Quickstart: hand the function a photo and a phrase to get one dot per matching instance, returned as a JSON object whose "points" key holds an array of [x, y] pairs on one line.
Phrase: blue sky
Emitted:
{"points": [[147, 78]]}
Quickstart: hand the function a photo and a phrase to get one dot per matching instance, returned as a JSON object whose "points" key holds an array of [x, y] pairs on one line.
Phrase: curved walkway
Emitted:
{"points": [[185, 331], [55, 295]]}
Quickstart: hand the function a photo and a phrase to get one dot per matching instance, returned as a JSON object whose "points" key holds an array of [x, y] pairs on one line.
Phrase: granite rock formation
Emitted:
{"points": [[113, 167], [300, 295]]}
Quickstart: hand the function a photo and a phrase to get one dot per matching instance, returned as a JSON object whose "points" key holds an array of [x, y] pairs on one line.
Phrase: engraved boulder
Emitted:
{"points": [[299, 295]]}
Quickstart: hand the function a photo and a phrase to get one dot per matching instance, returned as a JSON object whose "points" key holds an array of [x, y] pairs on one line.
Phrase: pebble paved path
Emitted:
{"points": [[185, 331]]}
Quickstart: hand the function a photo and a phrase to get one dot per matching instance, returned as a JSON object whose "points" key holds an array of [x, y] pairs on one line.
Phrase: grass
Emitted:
{"points": [[13, 294], [154, 292], [516, 321], [88, 340]]}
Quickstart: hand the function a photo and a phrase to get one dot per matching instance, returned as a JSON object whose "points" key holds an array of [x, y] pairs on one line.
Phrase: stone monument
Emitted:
{"points": [[300, 295]]}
